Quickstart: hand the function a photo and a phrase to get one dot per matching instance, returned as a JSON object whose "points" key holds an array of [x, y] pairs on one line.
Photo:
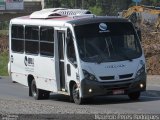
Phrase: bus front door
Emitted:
{"points": [[61, 45]]}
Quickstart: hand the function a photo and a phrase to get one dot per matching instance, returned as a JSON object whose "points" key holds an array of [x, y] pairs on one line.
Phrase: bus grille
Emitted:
{"points": [[107, 77], [125, 76]]}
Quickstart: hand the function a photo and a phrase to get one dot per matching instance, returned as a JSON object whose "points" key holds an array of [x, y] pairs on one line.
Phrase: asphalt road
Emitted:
{"points": [[14, 99]]}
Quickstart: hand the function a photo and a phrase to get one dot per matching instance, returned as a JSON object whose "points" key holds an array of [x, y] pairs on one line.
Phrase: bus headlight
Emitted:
{"points": [[140, 71], [88, 75]]}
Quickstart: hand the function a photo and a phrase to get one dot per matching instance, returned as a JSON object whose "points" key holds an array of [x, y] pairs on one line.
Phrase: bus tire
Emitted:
{"points": [[134, 95], [75, 94], [45, 94], [30, 91], [36, 93]]}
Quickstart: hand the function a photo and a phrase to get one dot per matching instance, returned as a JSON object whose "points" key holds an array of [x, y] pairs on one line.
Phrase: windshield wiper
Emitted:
{"points": [[126, 57]]}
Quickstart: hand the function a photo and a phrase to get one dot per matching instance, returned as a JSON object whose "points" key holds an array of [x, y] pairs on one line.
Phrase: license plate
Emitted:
{"points": [[118, 92]]}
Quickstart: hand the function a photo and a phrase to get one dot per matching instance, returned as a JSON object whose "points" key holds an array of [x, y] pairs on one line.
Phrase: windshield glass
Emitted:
{"points": [[107, 42]]}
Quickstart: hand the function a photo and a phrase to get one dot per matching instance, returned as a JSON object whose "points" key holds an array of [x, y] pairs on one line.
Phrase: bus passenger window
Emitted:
{"points": [[47, 41], [31, 32], [32, 39], [18, 31], [17, 38]]}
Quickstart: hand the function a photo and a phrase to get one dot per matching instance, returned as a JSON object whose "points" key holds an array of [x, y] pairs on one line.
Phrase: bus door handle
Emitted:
{"points": [[68, 70]]}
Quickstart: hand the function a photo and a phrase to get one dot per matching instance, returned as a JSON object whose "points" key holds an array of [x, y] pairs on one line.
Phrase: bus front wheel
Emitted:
{"points": [[75, 95], [134, 95]]}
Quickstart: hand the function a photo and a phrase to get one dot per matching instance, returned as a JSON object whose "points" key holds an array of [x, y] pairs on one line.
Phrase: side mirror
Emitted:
{"points": [[75, 64], [139, 34]]}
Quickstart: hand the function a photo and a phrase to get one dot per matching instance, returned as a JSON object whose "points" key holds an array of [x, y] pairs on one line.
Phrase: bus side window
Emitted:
{"points": [[17, 38], [47, 41], [70, 48], [32, 39]]}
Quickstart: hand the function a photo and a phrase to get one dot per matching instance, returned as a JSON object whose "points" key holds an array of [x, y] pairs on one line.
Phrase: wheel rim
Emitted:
{"points": [[75, 93], [34, 90]]}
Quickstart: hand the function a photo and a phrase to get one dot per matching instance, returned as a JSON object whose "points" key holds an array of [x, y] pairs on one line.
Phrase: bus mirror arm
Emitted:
{"points": [[75, 64], [139, 34]]}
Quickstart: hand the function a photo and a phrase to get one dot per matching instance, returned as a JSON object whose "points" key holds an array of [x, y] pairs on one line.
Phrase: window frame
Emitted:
{"points": [[48, 42], [31, 40], [39, 41], [18, 39], [67, 42]]}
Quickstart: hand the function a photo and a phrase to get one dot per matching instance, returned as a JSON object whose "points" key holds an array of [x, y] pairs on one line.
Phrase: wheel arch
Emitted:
{"points": [[29, 79], [71, 83]]}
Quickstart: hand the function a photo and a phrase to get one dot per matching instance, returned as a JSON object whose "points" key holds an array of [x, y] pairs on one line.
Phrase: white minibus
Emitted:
{"points": [[74, 52]]}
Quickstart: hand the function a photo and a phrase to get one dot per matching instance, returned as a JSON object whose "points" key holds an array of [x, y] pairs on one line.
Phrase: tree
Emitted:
{"points": [[97, 10], [99, 7], [151, 2]]}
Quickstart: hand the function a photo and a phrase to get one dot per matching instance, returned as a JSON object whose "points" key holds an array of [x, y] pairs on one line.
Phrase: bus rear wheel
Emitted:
{"points": [[134, 95], [38, 93], [75, 95]]}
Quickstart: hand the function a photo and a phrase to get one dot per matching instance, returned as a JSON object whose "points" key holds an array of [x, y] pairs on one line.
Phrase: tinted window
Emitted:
{"points": [[31, 32], [47, 34], [46, 49], [70, 47], [107, 42], [17, 37], [32, 39], [31, 47], [17, 31], [17, 45], [47, 41]]}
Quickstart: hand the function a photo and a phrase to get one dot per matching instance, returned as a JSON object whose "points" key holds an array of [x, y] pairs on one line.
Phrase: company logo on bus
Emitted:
{"points": [[25, 61], [102, 26], [29, 61], [115, 66]]}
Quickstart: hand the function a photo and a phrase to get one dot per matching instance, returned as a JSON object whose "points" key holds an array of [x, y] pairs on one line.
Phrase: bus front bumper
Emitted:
{"points": [[95, 88]]}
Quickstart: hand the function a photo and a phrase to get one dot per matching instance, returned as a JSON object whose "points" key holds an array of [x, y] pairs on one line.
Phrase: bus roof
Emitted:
{"points": [[60, 21], [60, 16]]}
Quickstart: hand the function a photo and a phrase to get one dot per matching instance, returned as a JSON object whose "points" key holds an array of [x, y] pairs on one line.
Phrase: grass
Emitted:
{"points": [[4, 64], [3, 32]]}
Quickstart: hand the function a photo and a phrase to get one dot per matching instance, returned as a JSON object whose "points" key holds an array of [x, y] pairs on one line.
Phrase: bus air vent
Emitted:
{"points": [[125, 76], [107, 77], [58, 12]]}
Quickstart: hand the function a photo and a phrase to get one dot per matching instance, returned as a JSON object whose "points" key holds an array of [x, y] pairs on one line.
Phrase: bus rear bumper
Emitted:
{"points": [[94, 88]]}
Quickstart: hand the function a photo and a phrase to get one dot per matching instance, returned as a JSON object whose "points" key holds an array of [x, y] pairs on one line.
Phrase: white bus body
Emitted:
{"points": [[79, 55]]}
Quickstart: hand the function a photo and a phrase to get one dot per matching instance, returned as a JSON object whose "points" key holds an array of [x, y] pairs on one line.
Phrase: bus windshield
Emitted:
{"points": [[107, 42]]}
